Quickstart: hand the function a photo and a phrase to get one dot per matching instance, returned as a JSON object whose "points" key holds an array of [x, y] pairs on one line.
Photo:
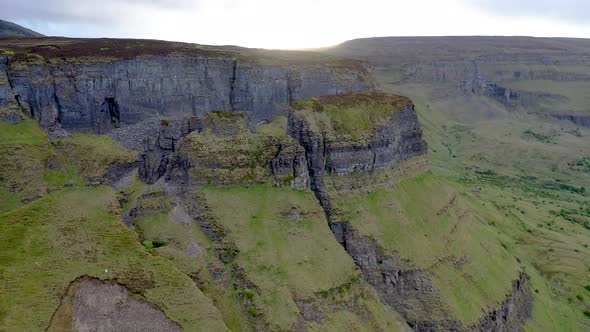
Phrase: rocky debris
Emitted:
{"points": [[125, 180], [94, 305]]}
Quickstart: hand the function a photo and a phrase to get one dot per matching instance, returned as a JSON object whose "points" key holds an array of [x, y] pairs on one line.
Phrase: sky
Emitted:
{"points": [[296, 24]]}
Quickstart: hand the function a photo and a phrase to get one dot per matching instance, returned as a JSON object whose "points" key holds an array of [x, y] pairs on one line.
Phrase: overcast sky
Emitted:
{"points": [[297, 23]]}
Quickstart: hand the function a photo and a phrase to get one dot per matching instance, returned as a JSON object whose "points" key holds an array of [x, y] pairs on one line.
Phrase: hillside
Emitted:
{"points": [[10, 30], [504, 118]]}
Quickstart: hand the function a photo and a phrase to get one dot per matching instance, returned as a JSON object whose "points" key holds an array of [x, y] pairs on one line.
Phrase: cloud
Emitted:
{"points": [[91, 18], [566, 10], [89, 11], [297, 24]]}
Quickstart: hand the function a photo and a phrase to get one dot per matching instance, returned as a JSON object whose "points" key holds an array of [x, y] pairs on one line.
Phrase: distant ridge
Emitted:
{"points": [[9, 29]]}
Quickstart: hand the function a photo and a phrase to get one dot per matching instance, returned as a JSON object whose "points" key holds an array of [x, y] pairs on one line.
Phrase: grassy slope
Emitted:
{"points": [[288, 252], [24, 149], [474, 134], [189, 249], [77, 232], [426, 220], [91, 155]]}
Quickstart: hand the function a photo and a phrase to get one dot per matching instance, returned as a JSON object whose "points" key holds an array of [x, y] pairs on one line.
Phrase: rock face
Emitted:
{"points": [[408, 290], [94, 305], [513, 312], [454, 60], [98, 94]]}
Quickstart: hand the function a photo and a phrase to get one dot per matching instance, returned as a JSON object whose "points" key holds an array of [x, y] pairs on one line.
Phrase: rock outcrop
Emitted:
{"points": [[410, 291], [94, 305], [394, 137], [521, 73]]}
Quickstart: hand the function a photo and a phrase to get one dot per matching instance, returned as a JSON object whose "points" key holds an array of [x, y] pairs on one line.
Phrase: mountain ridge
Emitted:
{"points": [[11, 30]]}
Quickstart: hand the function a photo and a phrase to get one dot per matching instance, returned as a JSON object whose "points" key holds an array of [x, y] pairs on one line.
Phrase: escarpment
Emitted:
{"points": [[99, 85], [365, 157], [355, 133]]}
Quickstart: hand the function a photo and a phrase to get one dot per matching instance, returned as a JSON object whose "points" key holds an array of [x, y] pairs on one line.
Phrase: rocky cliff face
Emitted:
{"points": [[102, 91], [394, 138], [454, 60], [215, 117]]}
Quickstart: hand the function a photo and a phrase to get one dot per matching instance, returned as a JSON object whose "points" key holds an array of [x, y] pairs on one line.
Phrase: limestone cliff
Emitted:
{"points": [[99, 85]]}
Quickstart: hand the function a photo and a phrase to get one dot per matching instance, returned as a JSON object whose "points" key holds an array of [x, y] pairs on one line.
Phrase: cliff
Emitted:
{"points": [[99, 85]]}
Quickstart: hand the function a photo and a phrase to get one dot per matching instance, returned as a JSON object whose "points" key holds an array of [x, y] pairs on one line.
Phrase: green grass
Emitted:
{"points": [[24, 150], [167, 224], [91, 154], [351, 117], [77, 232], [129, 195]]}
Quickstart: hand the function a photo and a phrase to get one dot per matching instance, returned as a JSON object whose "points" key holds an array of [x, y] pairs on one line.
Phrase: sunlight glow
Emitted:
{"points": [[300, 24]]}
